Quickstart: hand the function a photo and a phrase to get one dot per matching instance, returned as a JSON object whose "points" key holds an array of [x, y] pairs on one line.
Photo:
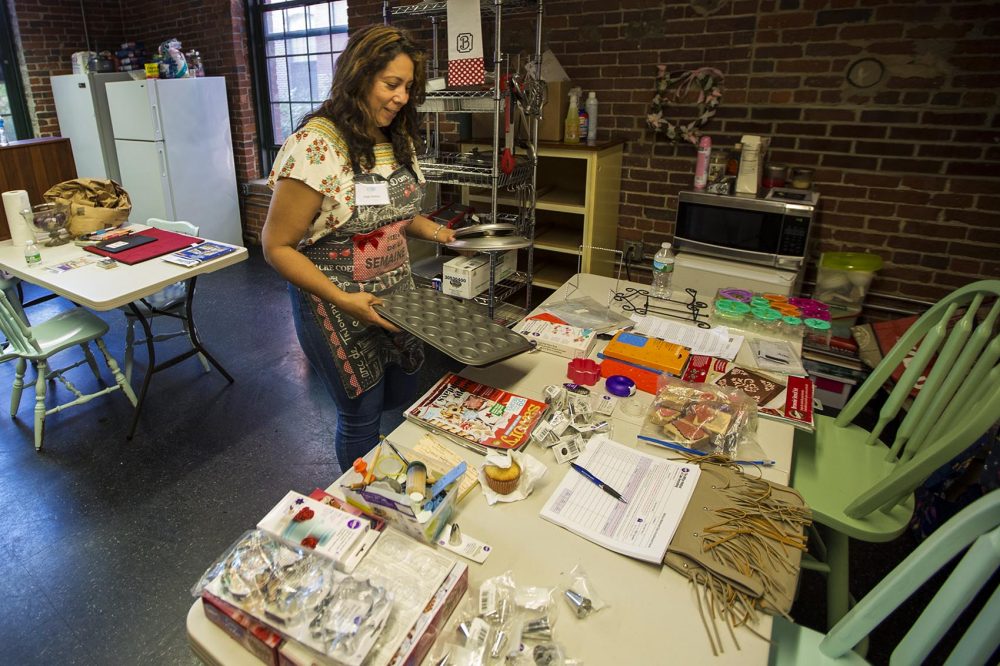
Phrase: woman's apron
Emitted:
{"points": [[368, 253]]}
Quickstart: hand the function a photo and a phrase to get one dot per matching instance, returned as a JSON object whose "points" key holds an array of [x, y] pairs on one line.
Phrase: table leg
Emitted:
{"points": [[153, 367], [150, 367], [193, 331]]}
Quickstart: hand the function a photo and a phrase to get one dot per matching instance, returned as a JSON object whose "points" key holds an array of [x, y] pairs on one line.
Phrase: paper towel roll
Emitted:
{"points": [[13, 203]]}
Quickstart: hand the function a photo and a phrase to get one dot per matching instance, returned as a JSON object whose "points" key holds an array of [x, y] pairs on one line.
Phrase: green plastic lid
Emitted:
{"points": [[728, 306], [817, 324], [766, 314], [851, 261], [792, 321]]}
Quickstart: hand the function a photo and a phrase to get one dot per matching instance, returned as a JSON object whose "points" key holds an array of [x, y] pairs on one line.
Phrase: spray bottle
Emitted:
{"points": [[572, 129], [591, 107], [701, 166]]}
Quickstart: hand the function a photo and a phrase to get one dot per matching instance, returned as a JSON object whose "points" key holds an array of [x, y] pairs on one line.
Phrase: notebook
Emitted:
{"points": [[166, 242], [116, 245]]}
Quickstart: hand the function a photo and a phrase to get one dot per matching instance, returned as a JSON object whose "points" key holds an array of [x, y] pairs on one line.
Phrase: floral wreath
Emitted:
{"points": [[709, 82]]}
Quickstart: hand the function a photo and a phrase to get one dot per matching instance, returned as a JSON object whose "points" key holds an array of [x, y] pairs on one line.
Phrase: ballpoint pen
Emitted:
{"points": [[600, 484]]}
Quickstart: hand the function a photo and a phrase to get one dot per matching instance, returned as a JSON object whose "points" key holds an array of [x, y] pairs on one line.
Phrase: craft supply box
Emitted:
{"points": [[467, 277], [396, 510], [559, 339]]}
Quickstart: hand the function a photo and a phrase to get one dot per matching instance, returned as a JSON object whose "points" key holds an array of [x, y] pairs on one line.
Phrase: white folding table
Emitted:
{"points": [[652, 616], [106, 289]]}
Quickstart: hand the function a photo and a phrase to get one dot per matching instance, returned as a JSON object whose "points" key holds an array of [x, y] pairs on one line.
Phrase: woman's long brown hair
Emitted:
{"points": [[368, 52]]}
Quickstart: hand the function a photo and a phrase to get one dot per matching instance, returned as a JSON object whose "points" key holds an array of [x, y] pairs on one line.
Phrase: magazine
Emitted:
{"points": [[196, 254], [788, 399], [477, 416]]}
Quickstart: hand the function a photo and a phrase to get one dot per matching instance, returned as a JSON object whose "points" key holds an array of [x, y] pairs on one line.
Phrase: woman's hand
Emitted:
{"points": [[444, 235], [358, 305]]}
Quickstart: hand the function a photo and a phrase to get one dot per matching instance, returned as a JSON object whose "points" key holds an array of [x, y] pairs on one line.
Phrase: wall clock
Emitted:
{"points": [[865, 73]]}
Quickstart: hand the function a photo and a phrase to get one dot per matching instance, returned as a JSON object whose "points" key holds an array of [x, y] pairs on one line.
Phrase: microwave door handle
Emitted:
{"points": [[749, 256]]}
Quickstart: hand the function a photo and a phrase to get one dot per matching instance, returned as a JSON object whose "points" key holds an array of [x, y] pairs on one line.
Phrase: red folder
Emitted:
{"points": [[166, 242]]}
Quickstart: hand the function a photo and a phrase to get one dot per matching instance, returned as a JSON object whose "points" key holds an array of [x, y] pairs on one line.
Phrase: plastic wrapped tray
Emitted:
{"points": [[454, 327]]}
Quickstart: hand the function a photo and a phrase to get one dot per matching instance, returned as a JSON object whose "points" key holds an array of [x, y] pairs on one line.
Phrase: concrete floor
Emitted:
{"points": [[101, 538]]}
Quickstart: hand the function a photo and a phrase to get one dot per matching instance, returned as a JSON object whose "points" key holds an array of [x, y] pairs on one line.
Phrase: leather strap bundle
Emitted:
{"points": [[740, 543]]}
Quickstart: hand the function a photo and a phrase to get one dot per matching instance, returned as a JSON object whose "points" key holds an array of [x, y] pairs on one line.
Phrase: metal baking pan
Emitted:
{"points": [[452, 326], [489, 243], [491, 229]]}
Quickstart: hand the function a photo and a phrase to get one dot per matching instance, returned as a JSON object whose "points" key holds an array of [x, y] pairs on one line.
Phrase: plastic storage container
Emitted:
{"points": [[844, 277]]}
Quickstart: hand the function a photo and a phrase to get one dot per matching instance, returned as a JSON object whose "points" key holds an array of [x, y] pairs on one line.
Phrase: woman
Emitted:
{"points": [[347, 192]]}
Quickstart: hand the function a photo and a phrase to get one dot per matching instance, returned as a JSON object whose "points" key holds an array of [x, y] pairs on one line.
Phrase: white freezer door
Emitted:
{"points": [[78, 122], [134, 112], [144, 176], [194, 117]]}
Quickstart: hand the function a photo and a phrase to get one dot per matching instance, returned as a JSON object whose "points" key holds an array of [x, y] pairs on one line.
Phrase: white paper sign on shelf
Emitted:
{"points": [[465, 44]]}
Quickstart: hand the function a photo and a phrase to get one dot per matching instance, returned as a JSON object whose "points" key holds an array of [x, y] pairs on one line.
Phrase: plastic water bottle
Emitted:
{"points": [[3, 134], [663, 271], [31, 254], [591, 107]]}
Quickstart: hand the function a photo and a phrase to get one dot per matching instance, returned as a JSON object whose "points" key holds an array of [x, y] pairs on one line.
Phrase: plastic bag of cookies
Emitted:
{"points": [[699, 419]]}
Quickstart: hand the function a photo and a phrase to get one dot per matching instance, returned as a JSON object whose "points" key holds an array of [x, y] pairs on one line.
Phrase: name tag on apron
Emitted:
{"points": [[371, 194]]}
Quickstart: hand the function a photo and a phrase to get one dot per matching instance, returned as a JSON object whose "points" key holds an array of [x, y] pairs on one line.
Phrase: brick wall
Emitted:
{"points": [[907, 168], [49, 32]]}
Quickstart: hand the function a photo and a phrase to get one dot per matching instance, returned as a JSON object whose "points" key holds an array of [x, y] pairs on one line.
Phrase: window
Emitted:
{"points": [[296, 44], [13, 110]]}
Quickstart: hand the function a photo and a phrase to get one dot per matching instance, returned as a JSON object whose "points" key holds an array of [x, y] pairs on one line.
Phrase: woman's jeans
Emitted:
{"points": [[358, 418]]}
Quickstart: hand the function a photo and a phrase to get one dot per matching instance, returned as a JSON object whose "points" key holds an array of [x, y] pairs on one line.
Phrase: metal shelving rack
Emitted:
{"points": [[457, 169]]}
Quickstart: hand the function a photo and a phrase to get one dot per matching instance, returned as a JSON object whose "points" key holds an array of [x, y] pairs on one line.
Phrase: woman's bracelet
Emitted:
{"points": [[437, 231]]}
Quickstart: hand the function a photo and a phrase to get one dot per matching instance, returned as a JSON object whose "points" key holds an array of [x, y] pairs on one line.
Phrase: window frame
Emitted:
{"points": [[256, 10], [20, 114]]}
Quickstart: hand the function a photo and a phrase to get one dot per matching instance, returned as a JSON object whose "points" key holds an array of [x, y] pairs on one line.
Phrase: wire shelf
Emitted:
{"points": [[504, 289], [472, 169], [480, 101], [486, 7]]}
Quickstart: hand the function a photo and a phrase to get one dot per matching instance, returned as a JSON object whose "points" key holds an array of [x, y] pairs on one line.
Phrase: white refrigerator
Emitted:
{"points": [[82, 108], [175, 153]]}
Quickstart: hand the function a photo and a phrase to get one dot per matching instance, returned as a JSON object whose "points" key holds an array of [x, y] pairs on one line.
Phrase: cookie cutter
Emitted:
{"points": [[583, 371]]}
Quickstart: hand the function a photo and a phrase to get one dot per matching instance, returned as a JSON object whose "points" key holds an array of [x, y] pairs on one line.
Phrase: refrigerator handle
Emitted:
{"points": [[156, 123], [163, 162]]}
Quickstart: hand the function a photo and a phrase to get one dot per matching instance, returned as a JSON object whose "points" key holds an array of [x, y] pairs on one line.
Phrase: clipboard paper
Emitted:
{"points": [[657, 490]]}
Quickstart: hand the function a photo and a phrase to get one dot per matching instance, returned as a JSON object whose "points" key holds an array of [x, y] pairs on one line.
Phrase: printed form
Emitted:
{"points": [[716, 341], [657, 492]]}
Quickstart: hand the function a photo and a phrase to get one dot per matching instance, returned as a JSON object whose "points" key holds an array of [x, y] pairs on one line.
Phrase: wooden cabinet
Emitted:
{"points": [[34, 165], [576, 210]]}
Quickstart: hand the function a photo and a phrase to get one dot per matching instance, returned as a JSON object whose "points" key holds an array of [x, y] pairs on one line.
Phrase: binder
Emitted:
{"points": [[166, 242]]}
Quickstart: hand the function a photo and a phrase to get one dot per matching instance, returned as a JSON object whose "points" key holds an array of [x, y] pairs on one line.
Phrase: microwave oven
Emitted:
{"points": [[766, 232]]}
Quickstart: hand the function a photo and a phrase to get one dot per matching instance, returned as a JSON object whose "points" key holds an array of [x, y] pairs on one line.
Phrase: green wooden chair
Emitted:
{"points": [[859, 487], [40, 342], [168, 302], [977, 524]]}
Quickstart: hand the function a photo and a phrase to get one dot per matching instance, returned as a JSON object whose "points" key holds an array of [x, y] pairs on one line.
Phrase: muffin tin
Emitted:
{"points": [[454, 327]]}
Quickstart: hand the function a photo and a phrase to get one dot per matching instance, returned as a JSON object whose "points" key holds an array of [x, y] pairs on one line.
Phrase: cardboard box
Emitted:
{"points": [[553, 120], [550, 125], [431, 622], [397, 509], [647, 353], [253, 636], [467, 277], [559, 338]]}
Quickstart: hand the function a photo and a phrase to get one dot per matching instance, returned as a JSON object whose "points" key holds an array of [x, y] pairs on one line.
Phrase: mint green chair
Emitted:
{"points": [[977, 524], [861, 487], [40, 342], [168, 302]]}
